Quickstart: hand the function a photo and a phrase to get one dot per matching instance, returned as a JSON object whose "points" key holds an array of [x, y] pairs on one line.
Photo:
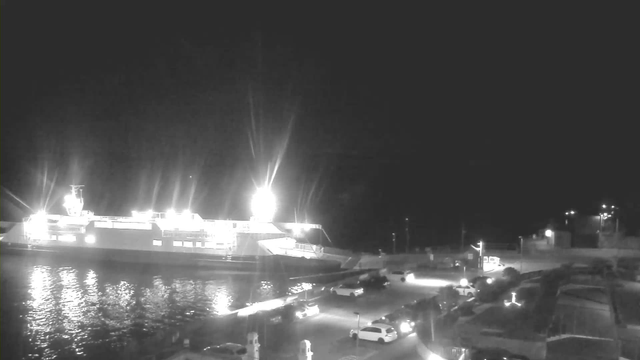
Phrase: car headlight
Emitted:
{"points": [[405, 327]]}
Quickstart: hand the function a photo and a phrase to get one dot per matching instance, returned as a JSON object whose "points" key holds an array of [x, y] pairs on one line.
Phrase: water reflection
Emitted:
{"points": [[79, 311]]}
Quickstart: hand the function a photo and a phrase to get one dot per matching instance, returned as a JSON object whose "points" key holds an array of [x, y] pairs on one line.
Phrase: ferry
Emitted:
{"points": [[170, 238]]}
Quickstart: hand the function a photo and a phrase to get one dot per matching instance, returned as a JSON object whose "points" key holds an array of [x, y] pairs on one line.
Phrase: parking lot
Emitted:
{"points": [[328, 331]]}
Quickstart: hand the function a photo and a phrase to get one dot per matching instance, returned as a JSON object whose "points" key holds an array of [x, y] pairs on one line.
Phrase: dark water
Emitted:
{"points": [[55, 310]]}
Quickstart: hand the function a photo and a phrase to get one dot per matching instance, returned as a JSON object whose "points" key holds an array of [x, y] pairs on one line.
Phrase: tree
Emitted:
{"points": [[511, 275]]}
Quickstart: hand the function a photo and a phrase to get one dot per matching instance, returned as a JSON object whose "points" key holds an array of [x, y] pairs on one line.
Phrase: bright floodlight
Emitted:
{"points": [[548, 233], [263, 205], [464, 282]]}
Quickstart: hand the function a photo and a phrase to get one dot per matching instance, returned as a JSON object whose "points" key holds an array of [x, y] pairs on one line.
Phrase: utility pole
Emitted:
{"points": [[406, 229], [462, 239], [393, 238]]}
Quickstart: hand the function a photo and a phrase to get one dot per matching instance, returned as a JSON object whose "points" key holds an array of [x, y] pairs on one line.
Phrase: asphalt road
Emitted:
{"points": [[328, 331]]}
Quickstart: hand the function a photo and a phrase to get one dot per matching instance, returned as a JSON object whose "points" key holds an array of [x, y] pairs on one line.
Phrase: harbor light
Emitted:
{"points": [[263, 205]]}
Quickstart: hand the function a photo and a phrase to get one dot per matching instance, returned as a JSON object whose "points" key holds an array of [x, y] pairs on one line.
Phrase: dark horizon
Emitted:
{"points": [[502, 130]]}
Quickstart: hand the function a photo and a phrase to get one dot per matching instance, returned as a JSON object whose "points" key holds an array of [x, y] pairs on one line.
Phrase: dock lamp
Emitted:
{"points": [[263, 205]]}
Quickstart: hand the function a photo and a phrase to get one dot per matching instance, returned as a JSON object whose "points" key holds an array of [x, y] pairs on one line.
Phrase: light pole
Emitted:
{"points": [[357, 338], [480, 249], [406, 229], [462, 238], [481, 258], [393, 238], [521, 252]]}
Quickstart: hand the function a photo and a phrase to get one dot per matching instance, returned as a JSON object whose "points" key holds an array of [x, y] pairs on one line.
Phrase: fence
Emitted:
{"points": [[165, 339]]}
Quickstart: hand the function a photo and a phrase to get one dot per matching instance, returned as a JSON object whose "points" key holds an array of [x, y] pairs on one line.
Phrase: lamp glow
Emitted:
{"points": [[464, 282], [548, 233], [90, 239], [263, 205]]}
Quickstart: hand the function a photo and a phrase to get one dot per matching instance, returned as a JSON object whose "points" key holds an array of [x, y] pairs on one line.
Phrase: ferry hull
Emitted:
{"points": [[271, 263]]}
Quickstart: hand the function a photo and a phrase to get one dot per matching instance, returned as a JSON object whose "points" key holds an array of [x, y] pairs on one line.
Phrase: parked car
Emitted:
{"points": [[401, 276], [351, 290], [226, 351], [375, 283], [381, 333]]}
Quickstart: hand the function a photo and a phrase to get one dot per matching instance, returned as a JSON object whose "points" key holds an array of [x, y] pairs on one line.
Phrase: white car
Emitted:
{"points": [[381, 333], [400, 276], [229, 351], [352, 290], [467, 291]]}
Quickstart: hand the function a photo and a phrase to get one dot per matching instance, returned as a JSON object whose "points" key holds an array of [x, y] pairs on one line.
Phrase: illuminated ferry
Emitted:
{"points": [[171, 238]]}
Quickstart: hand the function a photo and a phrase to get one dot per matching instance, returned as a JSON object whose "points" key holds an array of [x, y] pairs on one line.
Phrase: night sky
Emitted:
{"points": [[503, 122]]}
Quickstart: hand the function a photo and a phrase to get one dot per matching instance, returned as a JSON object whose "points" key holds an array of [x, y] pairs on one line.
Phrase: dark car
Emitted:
{"points": [[486, 279], [494, 354], [228, 351], [374, 283], [276, 316], [424, 307], [401, 320], [300, 310]]}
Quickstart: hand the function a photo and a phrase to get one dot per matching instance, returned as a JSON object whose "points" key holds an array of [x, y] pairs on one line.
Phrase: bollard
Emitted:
{"points": [[186, 343], [305, 350], [253, 346]]}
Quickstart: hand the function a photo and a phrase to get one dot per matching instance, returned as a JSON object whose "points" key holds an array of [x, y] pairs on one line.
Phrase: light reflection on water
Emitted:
{"points": [[80, 310]]}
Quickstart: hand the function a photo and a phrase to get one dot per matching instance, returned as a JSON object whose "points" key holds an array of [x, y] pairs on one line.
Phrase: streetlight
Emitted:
{"points": [[548, 233], [357, 338], [263, 205]]}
